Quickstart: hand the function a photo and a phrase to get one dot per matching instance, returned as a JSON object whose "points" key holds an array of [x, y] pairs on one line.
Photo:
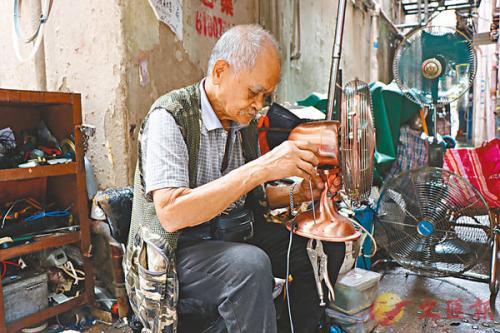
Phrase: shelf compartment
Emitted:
{"points": [[45, 314], [38, 171], [40, 244]]}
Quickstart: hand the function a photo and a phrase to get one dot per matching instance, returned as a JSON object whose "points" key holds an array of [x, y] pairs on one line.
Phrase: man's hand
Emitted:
{"points": [[331, 178], [302, 192], [291, 158]]}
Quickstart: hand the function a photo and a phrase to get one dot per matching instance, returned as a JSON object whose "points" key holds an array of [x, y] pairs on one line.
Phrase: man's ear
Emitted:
{"points": [[221, 69]]}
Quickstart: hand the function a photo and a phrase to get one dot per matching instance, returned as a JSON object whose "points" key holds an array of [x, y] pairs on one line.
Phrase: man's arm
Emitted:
{"points": [[178, 208]]}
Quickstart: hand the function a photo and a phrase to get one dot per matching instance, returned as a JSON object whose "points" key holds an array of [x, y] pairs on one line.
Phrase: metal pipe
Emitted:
{"points": [[295, 54], [426, 11], [374, 14], [337, 49], [40, 67], [419, 6], [373, 5]]}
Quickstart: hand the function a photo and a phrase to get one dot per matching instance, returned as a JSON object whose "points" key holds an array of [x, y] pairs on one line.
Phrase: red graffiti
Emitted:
{"points": [[454, 309], [427, 306], [482, 310], [226, 6], [210, 25], [208, 3]]}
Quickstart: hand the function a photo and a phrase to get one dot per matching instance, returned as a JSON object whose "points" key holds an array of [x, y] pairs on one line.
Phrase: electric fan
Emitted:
{"points": [[432, 221], [357, 141], [428, 222], [434, 65], [357, 146]]}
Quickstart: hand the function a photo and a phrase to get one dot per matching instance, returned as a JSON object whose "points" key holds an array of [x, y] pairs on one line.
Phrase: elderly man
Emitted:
{"points": [[198, 242]]}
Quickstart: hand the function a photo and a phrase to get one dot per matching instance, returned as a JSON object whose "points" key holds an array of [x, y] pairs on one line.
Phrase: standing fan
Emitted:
{"points": [[432, 221], [428, 222], [434, 66], [357, 146]]}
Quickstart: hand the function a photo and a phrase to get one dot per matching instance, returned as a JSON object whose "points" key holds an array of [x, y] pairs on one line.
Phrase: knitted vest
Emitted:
{"points": [[184, 105]]}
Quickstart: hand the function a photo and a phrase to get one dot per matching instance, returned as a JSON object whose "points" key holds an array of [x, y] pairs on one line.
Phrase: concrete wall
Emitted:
{"points": [[83, 50], [121, 58], [168, 62], [96, 47], [312, 70]]}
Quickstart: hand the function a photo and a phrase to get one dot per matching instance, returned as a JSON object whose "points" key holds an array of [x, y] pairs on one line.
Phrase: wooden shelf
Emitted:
{"points": [[34, 98], [38, 171], [44, 314], [21, 110], [40, 244]]}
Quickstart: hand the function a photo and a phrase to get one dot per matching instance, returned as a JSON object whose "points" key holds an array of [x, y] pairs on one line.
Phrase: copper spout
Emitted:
{"points": [[329, 226]]}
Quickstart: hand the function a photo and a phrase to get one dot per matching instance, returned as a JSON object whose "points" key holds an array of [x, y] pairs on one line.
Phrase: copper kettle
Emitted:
{"points": [[325, 223]]}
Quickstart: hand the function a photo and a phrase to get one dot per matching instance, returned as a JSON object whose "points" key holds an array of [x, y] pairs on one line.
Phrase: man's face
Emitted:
{"points": [[241, 95]]}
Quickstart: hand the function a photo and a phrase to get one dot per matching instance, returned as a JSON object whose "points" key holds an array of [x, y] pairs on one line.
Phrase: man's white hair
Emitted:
{"points": [[240, 45]]}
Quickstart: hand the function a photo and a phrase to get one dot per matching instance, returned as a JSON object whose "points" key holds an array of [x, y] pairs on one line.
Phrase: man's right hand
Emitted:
{"points": [[291, 158]]}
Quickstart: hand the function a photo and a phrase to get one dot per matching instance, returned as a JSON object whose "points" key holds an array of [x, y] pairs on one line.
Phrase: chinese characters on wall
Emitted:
{"points": [[212, 22]]}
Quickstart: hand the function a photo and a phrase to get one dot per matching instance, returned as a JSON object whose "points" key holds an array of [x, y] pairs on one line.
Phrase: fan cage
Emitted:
{"points": [[411, 89], [357, 137], [456, 212]]}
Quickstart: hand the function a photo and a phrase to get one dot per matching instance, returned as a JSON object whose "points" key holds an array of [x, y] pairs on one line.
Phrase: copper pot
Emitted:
{"points": [[325, 135], [325, 223]]}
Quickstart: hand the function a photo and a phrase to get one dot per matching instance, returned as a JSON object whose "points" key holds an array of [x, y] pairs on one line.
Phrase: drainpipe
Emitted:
{"points": [[39, 58], [374, 15], [374, 5]]}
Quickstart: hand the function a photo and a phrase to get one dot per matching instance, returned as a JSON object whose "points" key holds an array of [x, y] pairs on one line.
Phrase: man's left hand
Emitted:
{"points": [[303, 190]]}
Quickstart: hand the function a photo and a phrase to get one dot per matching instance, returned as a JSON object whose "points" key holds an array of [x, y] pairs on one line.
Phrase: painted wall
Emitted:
{"points": [[312, 70], [166, 62], [121, 58], [83, 50]]}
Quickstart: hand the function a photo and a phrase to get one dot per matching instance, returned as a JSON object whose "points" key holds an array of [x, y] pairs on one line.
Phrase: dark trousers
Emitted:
{"points": [[233, 281]]}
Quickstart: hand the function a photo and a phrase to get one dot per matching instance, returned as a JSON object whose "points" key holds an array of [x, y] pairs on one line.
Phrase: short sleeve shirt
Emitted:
{"points": [[165, 156]]}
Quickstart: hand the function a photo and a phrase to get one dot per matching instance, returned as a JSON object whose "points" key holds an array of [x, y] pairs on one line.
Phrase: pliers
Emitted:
{"points": [[319, 261]]}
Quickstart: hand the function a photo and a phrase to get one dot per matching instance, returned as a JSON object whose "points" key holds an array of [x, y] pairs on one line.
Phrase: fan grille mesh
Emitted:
{"points": [[451, 48], [447, 202], [357, 136]]}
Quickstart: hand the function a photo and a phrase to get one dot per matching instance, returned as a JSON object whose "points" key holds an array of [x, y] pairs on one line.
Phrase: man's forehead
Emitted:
{"points": [[258, 88]]}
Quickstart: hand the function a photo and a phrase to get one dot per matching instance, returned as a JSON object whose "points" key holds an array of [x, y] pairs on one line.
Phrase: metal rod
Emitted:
{"points": [[419, 5], [337, 49], [40, 66], [426, 11], [296, 32]]}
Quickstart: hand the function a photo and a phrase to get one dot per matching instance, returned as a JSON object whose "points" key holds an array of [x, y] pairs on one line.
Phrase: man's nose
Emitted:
{"points": [[258, 102]]}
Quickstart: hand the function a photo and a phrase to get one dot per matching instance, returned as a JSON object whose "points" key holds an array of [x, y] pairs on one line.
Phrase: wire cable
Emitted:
{"points": [[70, 270], [287, 289], [286, 280], [37, 36], [8, 211]]}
